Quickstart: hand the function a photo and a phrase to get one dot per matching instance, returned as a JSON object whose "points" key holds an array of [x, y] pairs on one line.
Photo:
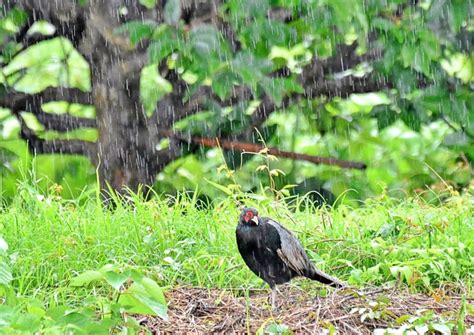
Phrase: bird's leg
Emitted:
{"points": [[274, 293]]}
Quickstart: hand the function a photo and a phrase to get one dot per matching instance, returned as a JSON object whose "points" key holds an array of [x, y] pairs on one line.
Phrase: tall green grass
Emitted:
{"points": [[384, 241]]}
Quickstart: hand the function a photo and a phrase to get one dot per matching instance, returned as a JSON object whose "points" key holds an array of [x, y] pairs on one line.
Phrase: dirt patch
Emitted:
{"points": [[205, 311]]}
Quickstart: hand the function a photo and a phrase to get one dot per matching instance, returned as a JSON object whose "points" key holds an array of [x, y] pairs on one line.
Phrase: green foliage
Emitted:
{"points": [[137, 30], [400, 160], [153, 87], [47, 60], [274, 329], [48, 283], [142, 296], [428, 246], [148, 3], [427, 323], [28, 314], [418, 130], [172, 11]]}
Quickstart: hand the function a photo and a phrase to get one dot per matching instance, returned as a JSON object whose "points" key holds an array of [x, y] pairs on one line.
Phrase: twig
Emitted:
{"points": [[255, 148], [356, 331]]}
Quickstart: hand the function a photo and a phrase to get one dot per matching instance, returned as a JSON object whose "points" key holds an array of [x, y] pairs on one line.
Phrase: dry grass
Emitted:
{"points": [[204, 311]]}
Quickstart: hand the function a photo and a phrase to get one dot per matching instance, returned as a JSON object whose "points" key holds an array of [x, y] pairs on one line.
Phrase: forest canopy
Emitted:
{"points": [[129, 89]]}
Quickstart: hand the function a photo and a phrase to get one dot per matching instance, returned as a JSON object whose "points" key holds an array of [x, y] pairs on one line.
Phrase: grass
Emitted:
{"points": [[408, 242]]}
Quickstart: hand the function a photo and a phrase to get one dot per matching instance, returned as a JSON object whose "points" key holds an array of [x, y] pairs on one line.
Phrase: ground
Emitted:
{"points": [[204, 311]]}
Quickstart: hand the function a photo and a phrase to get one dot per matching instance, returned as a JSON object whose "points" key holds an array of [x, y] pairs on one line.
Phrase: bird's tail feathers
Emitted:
{"points": [[326, 279]]}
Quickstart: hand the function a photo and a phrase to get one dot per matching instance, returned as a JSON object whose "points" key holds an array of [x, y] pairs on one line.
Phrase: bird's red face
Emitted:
{"points": [[249, 215]]}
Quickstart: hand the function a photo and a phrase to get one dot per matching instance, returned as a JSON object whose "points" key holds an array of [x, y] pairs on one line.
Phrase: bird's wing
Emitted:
{"points": [[291, 251]]}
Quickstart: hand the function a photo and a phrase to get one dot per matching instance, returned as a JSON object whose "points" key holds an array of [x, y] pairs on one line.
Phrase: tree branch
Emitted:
{"points": [[343, 87], [63, 122], [32, 102], [256, 148], [37, 145], [345, 58], [172, 108], [66, 15]]}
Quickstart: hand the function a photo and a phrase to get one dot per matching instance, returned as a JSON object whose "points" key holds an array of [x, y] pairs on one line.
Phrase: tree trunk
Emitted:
{"points": [[126, 154]]}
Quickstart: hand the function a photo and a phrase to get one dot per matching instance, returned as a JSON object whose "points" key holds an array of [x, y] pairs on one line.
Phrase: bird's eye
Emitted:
{"points": [[249, 215]]}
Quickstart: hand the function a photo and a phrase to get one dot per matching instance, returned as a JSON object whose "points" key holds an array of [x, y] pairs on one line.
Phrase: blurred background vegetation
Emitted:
{"points": [[403, 104]]}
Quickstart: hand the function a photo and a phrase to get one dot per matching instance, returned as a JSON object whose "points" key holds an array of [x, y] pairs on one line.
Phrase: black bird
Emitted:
{"points": [[273, 253]]}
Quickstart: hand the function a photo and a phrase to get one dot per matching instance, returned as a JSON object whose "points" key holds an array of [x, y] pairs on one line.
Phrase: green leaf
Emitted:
{"points": [[5, 274], [421, 329], [460, 66], [77, 319], [39, 54], [405, 271], [460, 12], [161, 48], [57, 312], [154, 290], [42, 27], [442, 328], [370, 99], [152, 87], [204, 39], [27, 323], [116, 280], [408, 55], [277, 88], [86, 278], [220, 187], [172, 11], [44, 63], [250, 68], [263, 34], [109, 267], [145, 297], [403, 318], [243, 9], [276, 329], [422, 63], [223, 83], [148, 3], [7, 314], [382, 24], [137, 30], [14, 20]]}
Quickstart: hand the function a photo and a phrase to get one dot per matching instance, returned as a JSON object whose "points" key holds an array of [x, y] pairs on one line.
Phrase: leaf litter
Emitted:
{"points": [[224, 311]]}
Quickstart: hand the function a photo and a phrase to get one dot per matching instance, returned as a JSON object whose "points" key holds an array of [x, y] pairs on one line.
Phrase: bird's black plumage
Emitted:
{"points": [[273, 253]]}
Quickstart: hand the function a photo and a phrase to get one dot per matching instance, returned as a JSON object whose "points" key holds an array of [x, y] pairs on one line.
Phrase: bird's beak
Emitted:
{"points": [[255, 220]]}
